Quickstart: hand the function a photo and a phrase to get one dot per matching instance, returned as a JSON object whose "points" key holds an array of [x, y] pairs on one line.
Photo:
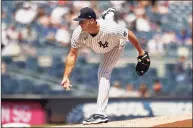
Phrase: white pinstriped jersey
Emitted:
{"points": [[110, 35]]}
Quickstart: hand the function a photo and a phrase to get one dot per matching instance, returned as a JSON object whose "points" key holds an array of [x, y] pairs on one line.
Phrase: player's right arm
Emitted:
{"points": [[70, 63], [71, 58]]}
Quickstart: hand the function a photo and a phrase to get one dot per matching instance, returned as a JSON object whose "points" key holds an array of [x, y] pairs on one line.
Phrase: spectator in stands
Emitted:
{"points": [[161, 7], [157, 89], [183, 51], [180, 69], [143, 90], [182, 36], [29, 35], [48, 33], [144, 3], [41, 11], [43, 18], [155, 45], [116, 90], [189, 40], [13, 34], [26, 14], [142, 21], [168, 37], [57, 15], [143, 24], [10, 40], [69, 18], [117, 4], [130, 20], [131, 92], [81, 4], [63, 35]]}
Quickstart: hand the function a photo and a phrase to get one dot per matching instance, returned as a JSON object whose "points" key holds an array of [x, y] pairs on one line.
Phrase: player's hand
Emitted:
{"points": [[66, 83]]}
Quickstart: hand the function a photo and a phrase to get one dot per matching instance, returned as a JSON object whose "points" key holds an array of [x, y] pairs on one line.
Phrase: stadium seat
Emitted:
{"points": [[32, 64]]}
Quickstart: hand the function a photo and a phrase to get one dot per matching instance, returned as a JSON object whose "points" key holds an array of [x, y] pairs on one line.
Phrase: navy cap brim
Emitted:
{"points": [[79, 19]]}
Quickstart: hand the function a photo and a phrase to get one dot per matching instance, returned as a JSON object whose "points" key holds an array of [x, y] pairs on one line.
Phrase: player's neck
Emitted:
{"points": [[94, 29]]}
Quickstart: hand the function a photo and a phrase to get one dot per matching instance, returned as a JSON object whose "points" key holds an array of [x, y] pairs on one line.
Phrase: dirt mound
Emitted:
{"points": [[159, 121]]}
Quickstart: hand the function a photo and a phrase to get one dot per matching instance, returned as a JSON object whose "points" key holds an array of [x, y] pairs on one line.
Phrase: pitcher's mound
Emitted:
{"points": [[159, 121]]}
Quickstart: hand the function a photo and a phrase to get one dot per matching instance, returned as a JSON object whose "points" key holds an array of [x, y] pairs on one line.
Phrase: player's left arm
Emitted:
{"points": [[133, 39], [143, 58]]}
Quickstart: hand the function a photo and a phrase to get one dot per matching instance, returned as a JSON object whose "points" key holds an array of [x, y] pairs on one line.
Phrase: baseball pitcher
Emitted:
{"points": [[104, 36]]}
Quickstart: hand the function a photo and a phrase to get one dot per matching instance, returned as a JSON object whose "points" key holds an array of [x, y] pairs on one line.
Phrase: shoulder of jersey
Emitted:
{"points": [[77, 32]]}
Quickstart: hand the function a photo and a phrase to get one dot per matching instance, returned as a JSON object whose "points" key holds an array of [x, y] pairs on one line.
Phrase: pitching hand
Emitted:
{"points": [[66, 83]]}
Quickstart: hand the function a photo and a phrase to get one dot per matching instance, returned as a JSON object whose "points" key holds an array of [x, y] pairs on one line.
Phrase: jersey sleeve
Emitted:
{"points": [[75, 40]]}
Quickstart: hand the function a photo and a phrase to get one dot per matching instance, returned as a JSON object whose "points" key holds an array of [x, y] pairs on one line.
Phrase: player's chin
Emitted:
{"points": [[84, 29]]}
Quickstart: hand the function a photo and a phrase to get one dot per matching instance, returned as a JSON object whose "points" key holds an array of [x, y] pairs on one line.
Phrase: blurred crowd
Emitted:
{"points": [[50, 22], [142, 91], [117, 90]]}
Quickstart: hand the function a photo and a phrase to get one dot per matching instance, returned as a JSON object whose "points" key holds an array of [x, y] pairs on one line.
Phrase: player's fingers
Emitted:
{"points": [[65, 86], [68, 87]]}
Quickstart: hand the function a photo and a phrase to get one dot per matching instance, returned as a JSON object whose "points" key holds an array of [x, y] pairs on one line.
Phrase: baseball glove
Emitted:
{"points": [[143, 64]]}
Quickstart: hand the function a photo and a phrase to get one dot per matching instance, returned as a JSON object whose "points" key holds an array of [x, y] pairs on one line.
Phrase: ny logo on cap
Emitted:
{"points": [[79, 14]]}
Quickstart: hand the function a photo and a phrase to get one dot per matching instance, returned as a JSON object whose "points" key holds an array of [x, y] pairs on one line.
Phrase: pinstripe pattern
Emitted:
{"points": [[109, 32], [116, 37], [105, 69]]}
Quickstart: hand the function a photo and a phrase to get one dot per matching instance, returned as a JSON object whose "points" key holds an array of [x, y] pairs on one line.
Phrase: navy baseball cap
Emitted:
{"points": [[86, 13]]}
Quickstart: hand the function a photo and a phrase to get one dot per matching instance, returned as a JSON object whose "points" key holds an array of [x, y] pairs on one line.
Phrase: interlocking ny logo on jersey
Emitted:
{"points": [[104, 45]]}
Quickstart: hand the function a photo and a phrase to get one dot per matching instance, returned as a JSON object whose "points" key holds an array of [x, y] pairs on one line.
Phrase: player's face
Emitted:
{"points": [[85, 25]]}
